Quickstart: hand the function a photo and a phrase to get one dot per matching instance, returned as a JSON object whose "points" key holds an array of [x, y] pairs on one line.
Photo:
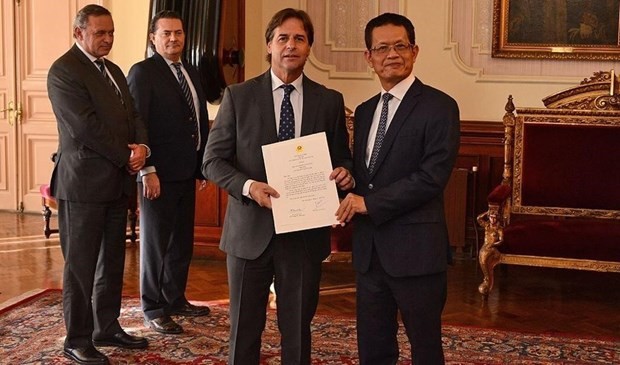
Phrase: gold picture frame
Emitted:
{"points": [[561, 29]]}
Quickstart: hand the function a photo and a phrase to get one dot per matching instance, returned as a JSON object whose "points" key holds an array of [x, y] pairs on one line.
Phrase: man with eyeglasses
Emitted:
{"points": [[406, 142]]}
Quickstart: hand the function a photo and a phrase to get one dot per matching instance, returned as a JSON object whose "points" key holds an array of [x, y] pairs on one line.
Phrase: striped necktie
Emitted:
{"points": [[380, 132], [187, 93], [100, 63], [287, 116]]}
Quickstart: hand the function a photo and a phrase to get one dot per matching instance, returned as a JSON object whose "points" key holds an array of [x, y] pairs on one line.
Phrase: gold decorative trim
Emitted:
{"points": [[595, 93], [596, 102], [561, 263], [567, 212], [537, 116]]}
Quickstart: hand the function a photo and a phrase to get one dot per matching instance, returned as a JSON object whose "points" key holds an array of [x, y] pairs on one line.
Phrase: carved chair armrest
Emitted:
{"points": [[499, 194], [498, 216]]}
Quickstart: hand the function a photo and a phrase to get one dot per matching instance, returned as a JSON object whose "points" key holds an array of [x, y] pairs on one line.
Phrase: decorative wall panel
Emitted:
{"points": [[339, 34]]}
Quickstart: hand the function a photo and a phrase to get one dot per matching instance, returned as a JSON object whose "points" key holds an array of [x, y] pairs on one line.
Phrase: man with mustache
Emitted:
{"points": [[280, 104]]}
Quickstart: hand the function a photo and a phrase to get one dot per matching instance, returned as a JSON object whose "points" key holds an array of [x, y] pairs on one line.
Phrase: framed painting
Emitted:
{"points": [[556, 29]]}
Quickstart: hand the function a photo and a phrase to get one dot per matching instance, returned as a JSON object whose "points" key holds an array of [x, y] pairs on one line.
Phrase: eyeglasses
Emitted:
{"points": [[384, 49]]}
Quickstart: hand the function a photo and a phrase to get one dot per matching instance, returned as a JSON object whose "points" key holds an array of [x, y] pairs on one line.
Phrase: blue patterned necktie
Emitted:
{"points": [[287, 116], [380, 132], [107, 78], [187, 93]]}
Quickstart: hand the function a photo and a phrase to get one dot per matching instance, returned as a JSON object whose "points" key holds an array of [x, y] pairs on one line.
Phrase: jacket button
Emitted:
{"points": [[370, 186]]}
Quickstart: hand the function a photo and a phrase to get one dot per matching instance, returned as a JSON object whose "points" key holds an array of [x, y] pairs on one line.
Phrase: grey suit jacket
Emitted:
{"points": [[160, 101], [94, 129], [404, 194], [245, 122]]}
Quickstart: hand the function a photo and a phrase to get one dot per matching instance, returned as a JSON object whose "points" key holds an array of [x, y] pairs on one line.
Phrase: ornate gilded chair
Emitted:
{"points": [[558, 204]]}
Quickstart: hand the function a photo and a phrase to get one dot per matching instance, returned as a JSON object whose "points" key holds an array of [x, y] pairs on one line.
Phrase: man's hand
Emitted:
{"points": [[262, 193], [344, 179], [152, 188], [137, 157], [352, 204]]}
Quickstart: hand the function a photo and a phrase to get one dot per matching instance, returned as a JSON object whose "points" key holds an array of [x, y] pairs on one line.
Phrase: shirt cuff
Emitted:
{"points": [[246, 188], [147, 170], [148, 150]]}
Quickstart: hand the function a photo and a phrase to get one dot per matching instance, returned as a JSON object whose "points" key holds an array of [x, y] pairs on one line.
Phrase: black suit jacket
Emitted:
{"points": [[94, 129], [160, 101], [245, 122], [404, 194]]}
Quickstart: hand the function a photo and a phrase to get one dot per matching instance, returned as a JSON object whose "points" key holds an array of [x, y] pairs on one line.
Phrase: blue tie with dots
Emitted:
{"points": [[380, 132], [287, 117]]}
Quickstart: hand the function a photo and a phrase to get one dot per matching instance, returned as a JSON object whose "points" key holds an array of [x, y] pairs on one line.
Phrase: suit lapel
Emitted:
{"points": [[405, 108], [264, 98], [165, 70], [363, 121], [91, 67], [312, 100]]}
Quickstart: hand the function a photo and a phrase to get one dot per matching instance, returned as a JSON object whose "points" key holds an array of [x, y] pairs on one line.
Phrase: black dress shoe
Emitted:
{"points": [[122, 339], [85, 355], [188, 309], [164, 325]]}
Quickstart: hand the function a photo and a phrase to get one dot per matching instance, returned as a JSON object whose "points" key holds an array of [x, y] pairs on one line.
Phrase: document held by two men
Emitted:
{"points": [[299, 170]]}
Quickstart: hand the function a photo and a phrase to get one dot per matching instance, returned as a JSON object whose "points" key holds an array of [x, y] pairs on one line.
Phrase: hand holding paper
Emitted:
{"points": [[300, 170]]}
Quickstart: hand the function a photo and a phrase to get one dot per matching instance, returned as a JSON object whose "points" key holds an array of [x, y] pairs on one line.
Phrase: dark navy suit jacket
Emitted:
{"points": [[170, 128], [404, 194]]}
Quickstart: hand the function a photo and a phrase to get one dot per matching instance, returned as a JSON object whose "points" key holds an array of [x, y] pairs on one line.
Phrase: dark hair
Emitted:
{"points": [[163, 14], [283, 15], [81, 18], [388, 18]]}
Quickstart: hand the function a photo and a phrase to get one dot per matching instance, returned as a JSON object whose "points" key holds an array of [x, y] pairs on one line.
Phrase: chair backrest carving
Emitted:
{"points": [[565, 160]]}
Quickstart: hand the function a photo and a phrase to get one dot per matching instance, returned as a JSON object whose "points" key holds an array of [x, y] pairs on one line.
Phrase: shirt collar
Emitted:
{"points": [[171, 62], [90, 57], [399, 90], [276, 82]]}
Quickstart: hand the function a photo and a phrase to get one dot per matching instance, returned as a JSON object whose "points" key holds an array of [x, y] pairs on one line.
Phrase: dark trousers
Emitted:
{"points": [[92, 238], [166, 246], [297, 280], [420, 301]]}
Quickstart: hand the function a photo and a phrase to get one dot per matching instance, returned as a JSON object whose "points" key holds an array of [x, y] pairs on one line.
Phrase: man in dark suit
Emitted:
{"points": [[248, 118], [102, 142], [406, 142], [172, 103]]}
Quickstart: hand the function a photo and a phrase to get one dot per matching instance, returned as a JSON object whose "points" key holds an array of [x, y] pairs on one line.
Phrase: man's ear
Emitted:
{"points": [[367, 57], [78, 33]]}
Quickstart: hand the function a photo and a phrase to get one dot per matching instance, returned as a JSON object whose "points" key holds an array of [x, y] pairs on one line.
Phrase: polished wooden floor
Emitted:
{"points": [[525, 299]]}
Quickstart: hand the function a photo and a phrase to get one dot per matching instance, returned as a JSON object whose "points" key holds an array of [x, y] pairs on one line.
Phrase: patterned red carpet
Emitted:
{"points": [[32, 331]]}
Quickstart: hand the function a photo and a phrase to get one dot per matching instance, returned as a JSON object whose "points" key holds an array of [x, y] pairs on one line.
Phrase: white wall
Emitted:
{"points": [[481, 97]]}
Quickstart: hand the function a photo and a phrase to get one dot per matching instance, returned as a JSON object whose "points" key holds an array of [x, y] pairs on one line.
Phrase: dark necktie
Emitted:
{"points": [[287, 116], [380, 132], [101, 66], [187, 93]]}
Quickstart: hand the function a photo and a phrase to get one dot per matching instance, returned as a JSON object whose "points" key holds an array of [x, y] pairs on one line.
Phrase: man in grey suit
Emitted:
{"points": [[102, 143], [406, 142], [173, 105], [280, 104]]}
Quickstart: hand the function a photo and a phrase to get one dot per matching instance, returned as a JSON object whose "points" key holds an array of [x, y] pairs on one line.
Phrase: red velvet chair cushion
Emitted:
{"points": [[342, 238], [579, 239], [571, 166], [499, 194]]}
